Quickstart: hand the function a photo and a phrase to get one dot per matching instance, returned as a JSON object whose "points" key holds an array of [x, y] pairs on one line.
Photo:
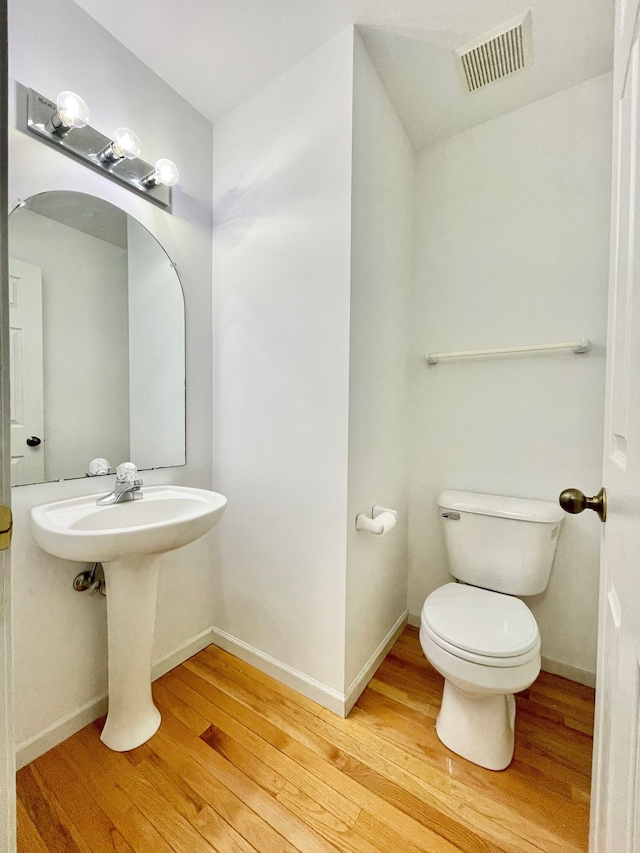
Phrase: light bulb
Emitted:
{"points": [[72, 110], [125, 144], [166, 172]]}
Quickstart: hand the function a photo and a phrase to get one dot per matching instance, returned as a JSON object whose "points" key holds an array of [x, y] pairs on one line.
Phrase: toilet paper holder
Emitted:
{"points": [[373, 525]]}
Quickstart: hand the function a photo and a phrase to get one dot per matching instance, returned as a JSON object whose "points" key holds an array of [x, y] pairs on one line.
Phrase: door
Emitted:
{"points": [[27, 411], [7, 745], [615, 807]]}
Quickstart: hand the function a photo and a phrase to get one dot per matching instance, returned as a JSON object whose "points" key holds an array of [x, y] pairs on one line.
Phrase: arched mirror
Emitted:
{"points": [[97, 341]]}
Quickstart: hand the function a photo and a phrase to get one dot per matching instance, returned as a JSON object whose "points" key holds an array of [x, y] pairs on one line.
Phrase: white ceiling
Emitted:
{"points": [[82, 212], [216, 53]]}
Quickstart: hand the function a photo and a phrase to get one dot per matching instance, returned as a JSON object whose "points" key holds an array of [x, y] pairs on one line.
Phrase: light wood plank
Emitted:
{"points": [[134, 826], [299, 802], [380, 718], [322, 767], [283, 690], [292, 828], [192, 806], [168, 822], [179, 757], [51, 821], [243, 764], [185, 712], [82, 808], [356, 757], [379, 749], [290, 770], [28, 836], [405, 695]]}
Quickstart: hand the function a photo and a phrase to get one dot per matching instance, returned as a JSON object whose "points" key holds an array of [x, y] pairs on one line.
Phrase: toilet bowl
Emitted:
{"points": [[476, 634], [486, 645]]}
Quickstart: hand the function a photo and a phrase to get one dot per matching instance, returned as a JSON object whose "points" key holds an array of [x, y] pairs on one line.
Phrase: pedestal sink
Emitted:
{"points": [[126, 538]]}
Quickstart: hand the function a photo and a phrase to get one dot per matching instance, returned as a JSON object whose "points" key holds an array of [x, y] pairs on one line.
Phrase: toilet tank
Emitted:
{"points": [[500, 543]]}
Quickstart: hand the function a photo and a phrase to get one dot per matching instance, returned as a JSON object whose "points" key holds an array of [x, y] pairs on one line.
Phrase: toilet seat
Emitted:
{"points": [[484, 660], [481, 626]]}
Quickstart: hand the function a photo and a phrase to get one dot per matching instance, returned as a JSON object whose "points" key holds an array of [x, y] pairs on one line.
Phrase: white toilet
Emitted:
{"points": [[476, 634]]}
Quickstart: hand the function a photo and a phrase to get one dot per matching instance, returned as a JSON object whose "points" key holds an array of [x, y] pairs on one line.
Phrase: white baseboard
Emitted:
{"points": [[71, 723], [333, 700], [568, 670], [309, 687], [368, 670], [414, 619], [182, 653], [60, 730]]}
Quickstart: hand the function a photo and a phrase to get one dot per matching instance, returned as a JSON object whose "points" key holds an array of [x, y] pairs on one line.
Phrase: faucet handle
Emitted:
{"points": [[98, 467], [126, 472]]}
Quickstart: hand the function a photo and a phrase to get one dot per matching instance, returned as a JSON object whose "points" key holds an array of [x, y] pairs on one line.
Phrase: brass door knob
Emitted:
{"points": [[572, 500]]}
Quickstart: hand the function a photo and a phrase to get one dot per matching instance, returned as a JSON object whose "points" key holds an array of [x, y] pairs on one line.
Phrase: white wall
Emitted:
{"points": [[274, 577], [60, 635], [512, 248], [156, 353], [282, 186], [84, 289], [381, 292]]}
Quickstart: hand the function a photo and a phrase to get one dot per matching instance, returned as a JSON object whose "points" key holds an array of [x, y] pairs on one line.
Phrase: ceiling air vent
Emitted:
{"points": [[498, 53]]}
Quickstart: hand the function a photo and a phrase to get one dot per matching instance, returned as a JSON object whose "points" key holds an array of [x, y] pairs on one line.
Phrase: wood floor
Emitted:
{"points": [[241, 763]]}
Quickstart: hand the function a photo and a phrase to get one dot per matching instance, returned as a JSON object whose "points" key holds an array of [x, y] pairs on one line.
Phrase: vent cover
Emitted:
{"points": [[496, 54]]}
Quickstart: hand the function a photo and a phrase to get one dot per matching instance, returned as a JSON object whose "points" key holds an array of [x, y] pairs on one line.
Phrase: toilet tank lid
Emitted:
{"points": [[522, 509]]}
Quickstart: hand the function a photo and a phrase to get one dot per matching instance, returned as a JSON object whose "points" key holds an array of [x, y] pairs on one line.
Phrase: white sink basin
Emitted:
{"points": [[167, 517], [126, 538]]}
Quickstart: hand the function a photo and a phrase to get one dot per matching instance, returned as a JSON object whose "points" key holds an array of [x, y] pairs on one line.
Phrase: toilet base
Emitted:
{"points": [[478, 727]]}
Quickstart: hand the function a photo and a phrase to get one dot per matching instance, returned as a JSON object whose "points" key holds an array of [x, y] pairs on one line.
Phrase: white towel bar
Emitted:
{"points": [[576, 346]]}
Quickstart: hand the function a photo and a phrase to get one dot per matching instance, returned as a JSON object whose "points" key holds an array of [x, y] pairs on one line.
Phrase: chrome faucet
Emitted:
{"points": [[127, 486]]}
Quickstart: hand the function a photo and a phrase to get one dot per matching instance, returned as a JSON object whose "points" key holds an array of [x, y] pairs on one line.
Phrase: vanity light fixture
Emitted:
{"points": [[71, 112], [65, 125], [164, 172]]}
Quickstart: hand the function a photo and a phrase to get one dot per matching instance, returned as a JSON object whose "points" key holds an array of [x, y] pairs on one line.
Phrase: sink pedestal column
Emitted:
{"points": [[132, 585]]}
